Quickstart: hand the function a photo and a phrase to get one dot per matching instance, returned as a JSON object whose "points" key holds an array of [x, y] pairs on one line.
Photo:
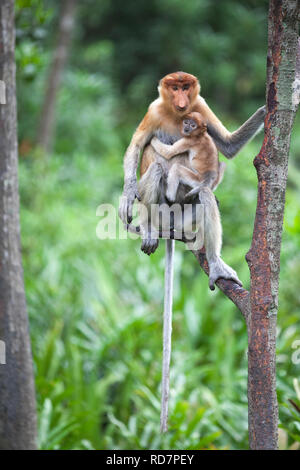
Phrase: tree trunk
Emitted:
{"points": [[17, 397], [46, 126], [264, 255]]}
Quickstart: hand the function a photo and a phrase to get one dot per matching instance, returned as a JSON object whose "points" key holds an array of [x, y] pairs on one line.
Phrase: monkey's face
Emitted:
{"points": [[179, 90], [193, 125], [179, 94], [188, 127]]}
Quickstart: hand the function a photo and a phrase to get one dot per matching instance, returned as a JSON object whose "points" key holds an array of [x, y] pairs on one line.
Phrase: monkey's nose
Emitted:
{"points": [[181, 108]]}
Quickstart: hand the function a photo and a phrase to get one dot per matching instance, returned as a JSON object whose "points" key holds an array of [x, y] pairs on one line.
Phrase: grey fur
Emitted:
{"points": [[241, 136], [167, 138]]}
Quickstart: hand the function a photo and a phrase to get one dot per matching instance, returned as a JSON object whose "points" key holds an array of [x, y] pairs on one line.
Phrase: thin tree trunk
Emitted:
{"points": [[17, 397], [46, 126], [264, 255]]}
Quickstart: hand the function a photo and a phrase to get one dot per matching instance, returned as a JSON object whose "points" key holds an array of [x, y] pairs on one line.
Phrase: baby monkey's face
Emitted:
{"points": [[188, 126], [193, 125]]}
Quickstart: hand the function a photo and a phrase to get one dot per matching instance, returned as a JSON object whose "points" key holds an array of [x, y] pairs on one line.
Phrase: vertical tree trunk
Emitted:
{"points": [[46, 126], [264, 255], [17, 397]]}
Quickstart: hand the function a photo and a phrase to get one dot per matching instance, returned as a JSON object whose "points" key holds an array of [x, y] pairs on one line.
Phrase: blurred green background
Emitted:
{"points": [[95, 306]]}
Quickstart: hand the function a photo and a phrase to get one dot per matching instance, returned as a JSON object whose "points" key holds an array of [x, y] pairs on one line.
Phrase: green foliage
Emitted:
{"points": [[32, 19], [223, 43]]}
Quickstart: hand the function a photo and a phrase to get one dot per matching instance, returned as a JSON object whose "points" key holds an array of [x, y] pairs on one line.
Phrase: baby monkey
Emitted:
{"points": [[201, 167]]}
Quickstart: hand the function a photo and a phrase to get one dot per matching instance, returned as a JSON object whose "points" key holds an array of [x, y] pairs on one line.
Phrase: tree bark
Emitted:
{"points": [[46, 126], [17, 396]]}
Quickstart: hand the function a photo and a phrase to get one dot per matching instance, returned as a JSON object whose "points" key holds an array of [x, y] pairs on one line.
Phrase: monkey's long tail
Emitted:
{"points": [[167, 332]]}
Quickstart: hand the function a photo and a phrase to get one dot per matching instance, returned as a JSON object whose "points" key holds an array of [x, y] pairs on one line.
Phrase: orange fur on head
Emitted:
{"points": [[179, 91]]}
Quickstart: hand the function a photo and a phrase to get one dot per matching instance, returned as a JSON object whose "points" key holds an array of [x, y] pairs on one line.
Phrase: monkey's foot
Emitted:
{"points": [[149, 245], [220, 270]]}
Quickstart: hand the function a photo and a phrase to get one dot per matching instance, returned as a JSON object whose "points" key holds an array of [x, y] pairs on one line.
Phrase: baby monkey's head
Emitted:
{"points": [[193, 125]]}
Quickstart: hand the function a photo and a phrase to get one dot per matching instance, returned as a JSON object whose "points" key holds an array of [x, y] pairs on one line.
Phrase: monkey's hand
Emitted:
{"points": [[162, 149], [263, 110], [155, 142], [130, 192]]}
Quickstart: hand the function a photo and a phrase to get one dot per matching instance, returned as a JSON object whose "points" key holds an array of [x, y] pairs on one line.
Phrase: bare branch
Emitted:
{"points": [[238, 295]]}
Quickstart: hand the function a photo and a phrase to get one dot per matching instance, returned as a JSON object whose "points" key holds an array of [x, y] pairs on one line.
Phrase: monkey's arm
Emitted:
{"points": [[231, 143], [140, 138], [169, 151]]}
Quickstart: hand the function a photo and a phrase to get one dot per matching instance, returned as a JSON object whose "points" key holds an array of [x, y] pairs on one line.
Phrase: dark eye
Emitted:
{"points": [[193, 126], [175, 88], [186, 87], [185, 122]]}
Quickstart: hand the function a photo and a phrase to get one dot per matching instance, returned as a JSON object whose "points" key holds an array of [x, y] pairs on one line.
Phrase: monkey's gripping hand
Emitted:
{"points": [[130, 192]]}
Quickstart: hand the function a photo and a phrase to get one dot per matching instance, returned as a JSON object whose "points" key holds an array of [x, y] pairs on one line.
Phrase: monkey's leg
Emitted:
{"points": [[213, 240], [222, 168], [208, 179], [149, 187], [180, 174]]}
